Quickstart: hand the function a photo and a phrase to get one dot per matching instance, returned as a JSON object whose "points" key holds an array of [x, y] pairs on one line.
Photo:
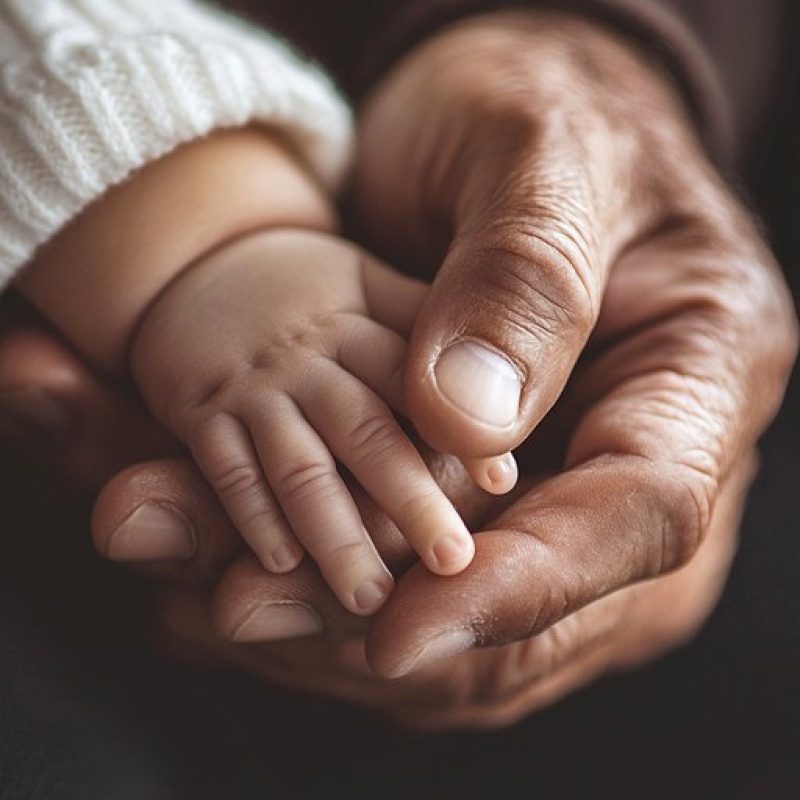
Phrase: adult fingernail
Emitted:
{"points": [[445, 645], [278, 621], [30, 411], [153, 533], [481, 382]]}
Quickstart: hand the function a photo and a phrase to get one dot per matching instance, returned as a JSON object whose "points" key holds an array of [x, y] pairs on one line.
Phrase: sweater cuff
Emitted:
{"points": [[660, 33], [90, 92]]}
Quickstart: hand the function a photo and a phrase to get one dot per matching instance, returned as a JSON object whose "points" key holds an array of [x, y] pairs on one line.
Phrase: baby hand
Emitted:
{"points": [[266, 359]]}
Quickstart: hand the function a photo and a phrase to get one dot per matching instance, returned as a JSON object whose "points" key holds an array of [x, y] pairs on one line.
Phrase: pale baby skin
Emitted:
{"points": [[271, 348]]}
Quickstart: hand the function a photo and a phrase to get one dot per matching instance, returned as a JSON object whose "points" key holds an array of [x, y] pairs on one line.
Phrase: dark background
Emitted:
{"points": [[87, 712]]}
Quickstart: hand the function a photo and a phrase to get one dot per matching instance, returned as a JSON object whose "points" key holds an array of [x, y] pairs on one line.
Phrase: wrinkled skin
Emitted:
{"points": [[557, 180]]}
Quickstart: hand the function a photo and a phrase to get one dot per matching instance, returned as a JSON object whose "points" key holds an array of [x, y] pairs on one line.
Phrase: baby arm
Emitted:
{"points": [[257, 351], [95, 279]]}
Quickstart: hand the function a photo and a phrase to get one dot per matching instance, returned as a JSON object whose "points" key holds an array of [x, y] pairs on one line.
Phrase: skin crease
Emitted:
{"points": [[643, 461]]}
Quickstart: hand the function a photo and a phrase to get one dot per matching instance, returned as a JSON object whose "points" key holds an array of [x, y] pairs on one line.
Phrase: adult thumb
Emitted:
{"points": [[509, 313]]}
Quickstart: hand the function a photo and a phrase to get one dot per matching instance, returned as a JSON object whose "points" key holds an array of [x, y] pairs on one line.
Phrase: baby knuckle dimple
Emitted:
{"points": [[305, 337]]}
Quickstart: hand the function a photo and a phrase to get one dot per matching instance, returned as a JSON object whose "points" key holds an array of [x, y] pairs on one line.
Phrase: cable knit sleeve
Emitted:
{"points": [[90, 90]]}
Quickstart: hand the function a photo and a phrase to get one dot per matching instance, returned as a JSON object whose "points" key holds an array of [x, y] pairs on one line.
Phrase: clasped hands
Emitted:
{"points": [[633, 338]]}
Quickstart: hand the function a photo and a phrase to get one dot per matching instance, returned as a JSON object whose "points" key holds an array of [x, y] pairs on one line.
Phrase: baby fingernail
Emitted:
{"points": [[503, 471], [481, 382], [452, 551], [153, 533], [278, 621], [370, 596], [286, 557]]}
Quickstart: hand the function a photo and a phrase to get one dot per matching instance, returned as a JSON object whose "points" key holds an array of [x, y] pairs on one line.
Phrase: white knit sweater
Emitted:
{"points": [[90, 90]]}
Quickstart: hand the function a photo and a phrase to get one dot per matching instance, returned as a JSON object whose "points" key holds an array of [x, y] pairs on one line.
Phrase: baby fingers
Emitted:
{"points": [[224, 451], [376, 356], [362, 433], [318, 505]]}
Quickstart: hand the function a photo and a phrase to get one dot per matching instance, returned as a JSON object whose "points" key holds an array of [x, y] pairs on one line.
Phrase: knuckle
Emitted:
{"points": [[743, 307], [232, 474], [304, 480], [505, 123], [683, 499], [340, 557], [374, 436], [235, 479], [420, 509], [543, 282], [259, 520], [738, 282]]}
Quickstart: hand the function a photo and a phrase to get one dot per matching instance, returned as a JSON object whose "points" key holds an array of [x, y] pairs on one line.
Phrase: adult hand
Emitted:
{"points": [[693, 367], [148, 512], [475, 689], [557, 178]]}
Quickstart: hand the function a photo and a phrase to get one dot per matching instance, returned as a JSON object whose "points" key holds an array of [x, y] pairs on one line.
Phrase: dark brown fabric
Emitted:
{"points": [[723, 55]]}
